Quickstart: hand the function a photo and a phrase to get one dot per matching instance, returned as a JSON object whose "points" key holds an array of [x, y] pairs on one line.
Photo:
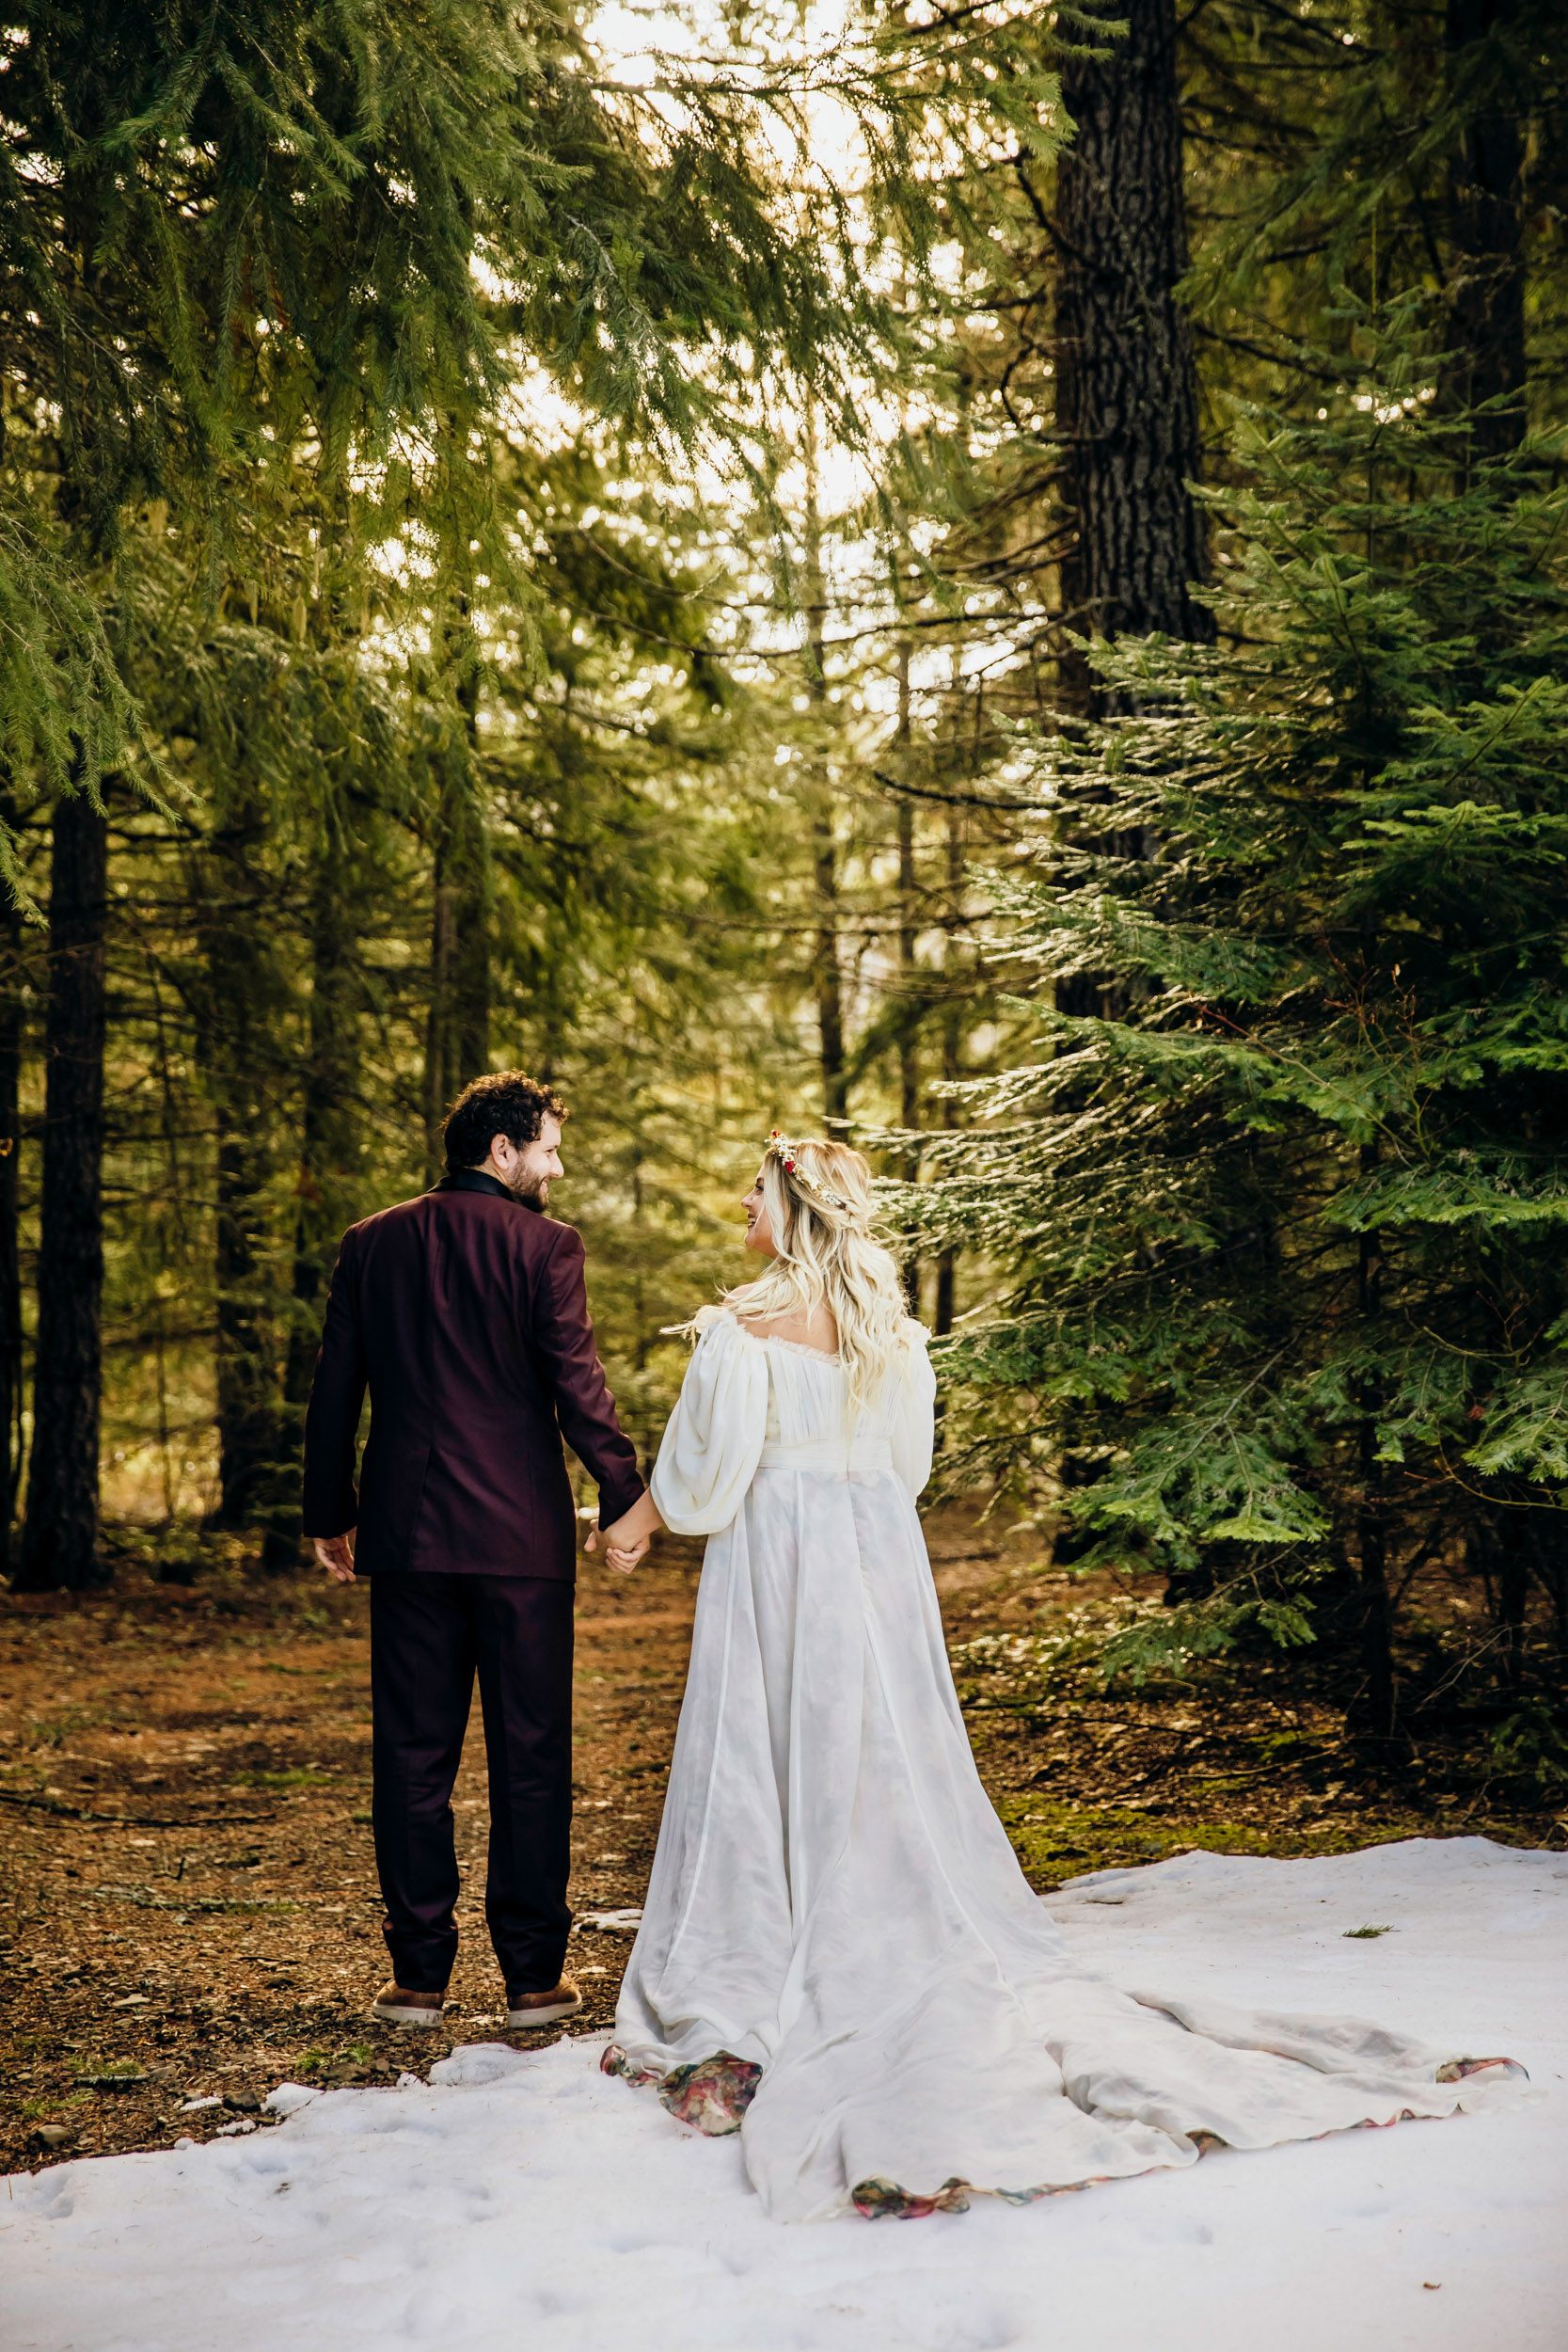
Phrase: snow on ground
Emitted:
{"points": [[529, 2202]]}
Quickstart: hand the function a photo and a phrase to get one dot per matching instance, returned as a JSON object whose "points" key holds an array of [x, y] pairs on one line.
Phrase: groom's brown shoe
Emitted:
{"points": [[395, 2006], [544, 2009]]}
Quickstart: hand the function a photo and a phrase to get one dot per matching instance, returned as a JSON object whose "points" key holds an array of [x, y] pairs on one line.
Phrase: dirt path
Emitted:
{"points": [[185, 1862]]}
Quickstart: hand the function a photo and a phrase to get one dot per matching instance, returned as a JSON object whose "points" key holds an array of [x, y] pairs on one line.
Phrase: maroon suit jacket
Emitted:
{"points": [[465, 1314]]}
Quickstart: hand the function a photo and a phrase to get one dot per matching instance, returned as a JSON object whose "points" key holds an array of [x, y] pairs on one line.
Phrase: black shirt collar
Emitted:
{"points": [[474, 1180]]}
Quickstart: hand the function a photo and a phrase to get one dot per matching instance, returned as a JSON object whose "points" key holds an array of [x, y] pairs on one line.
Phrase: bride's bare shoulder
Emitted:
{"points": [[815, 1331], [730, 1309]]}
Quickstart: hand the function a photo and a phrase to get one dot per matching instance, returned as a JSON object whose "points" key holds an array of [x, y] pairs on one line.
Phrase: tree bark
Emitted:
{"points": [[246, 1363], [1512, 1539], [827, 980], [457, 1029], [827, 977], [1486, 285], [946, 1294], [235, 1048], [909, 916], [1512, 1603], [1127, 410], [908, 1041], [10, 1273], [324, 1181], [1374, 1712], [952, 1065], [59, 1540]]}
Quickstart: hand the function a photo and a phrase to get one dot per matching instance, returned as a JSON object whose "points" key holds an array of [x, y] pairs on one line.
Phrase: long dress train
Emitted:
{"points": [[838, 1948]]}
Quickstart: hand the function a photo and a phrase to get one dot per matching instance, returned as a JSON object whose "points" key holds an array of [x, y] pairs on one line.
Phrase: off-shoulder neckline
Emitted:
{"points": [[915, 1334], [795, 1347]]}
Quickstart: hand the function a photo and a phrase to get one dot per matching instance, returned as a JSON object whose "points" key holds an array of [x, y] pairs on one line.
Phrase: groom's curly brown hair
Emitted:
{"points": [[503, 1103]]}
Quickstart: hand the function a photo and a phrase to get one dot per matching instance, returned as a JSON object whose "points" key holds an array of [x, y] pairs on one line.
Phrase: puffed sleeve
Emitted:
{"points": [[715, 1435], [912, 1412]]}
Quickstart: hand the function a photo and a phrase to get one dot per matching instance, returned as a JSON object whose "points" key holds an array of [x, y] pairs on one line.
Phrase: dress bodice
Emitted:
{"points": [[749, 1401], [799, 1402]]}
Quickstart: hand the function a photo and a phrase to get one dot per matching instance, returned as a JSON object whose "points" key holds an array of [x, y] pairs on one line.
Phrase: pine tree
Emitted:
{"points": [[1288, 1237]]}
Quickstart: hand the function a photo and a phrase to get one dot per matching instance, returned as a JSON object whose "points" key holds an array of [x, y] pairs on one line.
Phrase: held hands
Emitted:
{"points": [[626, 1540], [622, 1557], [336, 1554]]}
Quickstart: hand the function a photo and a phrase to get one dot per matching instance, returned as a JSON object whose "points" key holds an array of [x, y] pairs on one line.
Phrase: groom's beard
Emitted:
{"points": [[529, 1192]]}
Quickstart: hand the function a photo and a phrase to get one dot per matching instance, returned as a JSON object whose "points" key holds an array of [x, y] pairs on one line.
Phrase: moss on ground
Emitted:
{"points": [[1055, 1842]]}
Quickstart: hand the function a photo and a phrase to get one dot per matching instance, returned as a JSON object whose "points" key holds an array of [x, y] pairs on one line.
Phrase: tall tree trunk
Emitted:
{"points": [[11, 1271], [440, 1049], [1511, 1538], [908, 920], [1486, 286], [1127, 408], [908, 1015], [59, 1540], [471, 944], [1513, 1601], [1374, 1710], [1126, 411], [457, 1027], [1549, 1551], [241, 999], [909, 1037], [323, 1183], [952, 1059], [826, 976], [246, 1354]]}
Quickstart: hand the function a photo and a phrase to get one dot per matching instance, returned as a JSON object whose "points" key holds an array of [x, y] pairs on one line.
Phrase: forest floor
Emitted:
{"points": [[185, 1861]]}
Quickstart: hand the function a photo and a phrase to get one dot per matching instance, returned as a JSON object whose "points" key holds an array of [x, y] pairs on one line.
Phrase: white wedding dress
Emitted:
{"points": [[834, 1906]]}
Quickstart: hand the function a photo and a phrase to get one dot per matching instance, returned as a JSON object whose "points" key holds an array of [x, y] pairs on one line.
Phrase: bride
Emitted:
{"points": [[839, 1955]]}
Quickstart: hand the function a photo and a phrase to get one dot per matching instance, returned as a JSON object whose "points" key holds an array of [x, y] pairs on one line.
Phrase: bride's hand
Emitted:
{"points": [[622, 1557], [626, 1540]]}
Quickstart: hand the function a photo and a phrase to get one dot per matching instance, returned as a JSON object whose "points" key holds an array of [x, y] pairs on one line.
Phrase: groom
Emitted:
{"points": [[464, 1314]]}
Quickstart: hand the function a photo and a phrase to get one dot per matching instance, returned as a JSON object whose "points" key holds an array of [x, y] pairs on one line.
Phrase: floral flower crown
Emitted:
{"points": [[780, 1147]]}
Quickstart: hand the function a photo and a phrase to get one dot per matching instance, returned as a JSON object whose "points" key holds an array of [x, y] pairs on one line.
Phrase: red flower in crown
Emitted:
{"points": [[784, 1152]]}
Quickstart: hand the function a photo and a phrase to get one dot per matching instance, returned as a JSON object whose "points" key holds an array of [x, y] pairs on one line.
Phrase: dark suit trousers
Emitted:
{"points": [[430, 1635]]}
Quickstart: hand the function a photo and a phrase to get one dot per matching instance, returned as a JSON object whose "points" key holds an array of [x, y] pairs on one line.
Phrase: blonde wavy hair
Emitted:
{"points": [[825, 1254]]}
